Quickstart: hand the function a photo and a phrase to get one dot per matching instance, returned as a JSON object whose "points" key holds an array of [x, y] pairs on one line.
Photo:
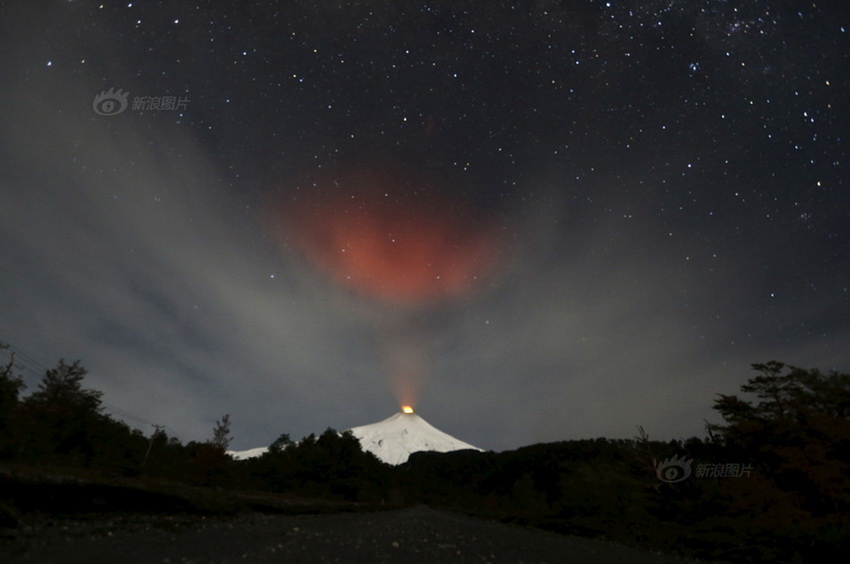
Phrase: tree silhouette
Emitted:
{"points": [[60, 418], [798, 432], [61, 388], [280, 443], [10, 388], [212, 465], [221, 433]]}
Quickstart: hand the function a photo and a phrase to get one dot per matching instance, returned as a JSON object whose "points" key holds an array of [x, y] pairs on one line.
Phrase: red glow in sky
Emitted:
{"points": [[373, 230]]}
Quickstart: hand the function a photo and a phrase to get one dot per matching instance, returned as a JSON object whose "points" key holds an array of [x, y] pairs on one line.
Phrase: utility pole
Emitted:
{"points": [[157, 429]]}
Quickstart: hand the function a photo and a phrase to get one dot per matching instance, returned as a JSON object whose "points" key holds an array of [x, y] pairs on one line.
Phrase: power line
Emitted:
{"points": [[18, 352], [14, 353], [18, 355]]}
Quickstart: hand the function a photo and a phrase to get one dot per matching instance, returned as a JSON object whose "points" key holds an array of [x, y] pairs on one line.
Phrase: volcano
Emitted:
{"points": [[395, 438], [392, 440]]}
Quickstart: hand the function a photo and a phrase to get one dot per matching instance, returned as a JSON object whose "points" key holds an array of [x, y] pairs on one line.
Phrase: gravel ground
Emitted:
{"points": [[414, 536]]}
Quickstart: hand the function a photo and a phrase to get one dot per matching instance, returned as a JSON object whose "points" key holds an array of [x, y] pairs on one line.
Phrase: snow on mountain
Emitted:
{"points": [[250, 453], [392, 440], [395, 438]]}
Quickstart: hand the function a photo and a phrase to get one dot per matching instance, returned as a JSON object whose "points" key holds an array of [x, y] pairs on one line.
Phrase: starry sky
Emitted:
{"points": [[535, 220]]}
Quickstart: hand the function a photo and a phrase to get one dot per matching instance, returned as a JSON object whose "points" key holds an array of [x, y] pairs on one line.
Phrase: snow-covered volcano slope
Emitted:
{"points": [[392, 440], [395, 438]]}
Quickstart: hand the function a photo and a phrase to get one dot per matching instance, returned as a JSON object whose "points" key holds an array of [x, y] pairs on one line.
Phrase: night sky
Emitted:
{"points": [[534, 220]]}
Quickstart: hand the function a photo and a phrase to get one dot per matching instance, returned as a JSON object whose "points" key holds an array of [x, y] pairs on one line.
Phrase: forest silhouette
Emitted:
{"points": [[771, 482]]}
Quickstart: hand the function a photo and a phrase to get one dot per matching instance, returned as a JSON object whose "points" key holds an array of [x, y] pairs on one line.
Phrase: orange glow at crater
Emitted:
{"points": [[407, 409]]}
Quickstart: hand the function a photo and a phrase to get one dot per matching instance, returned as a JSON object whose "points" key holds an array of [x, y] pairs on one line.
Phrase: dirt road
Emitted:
{"points": [[415, 535]]}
